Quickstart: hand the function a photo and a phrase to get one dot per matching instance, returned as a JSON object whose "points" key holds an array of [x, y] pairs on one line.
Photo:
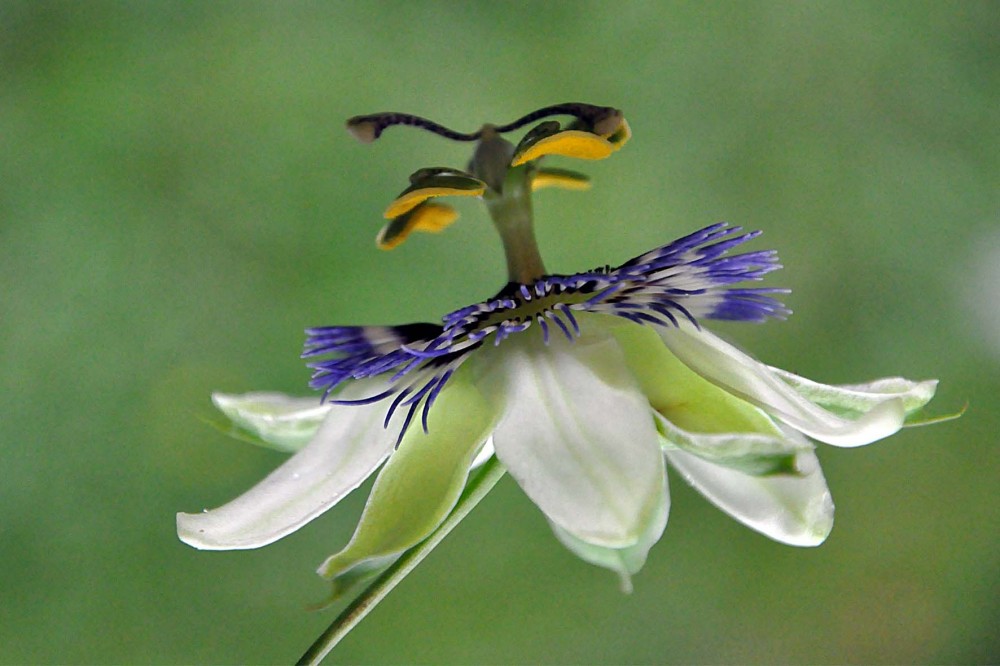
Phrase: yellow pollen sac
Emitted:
{"points": [[569, 143], [561, 178], [434, 186], [428, 217]]}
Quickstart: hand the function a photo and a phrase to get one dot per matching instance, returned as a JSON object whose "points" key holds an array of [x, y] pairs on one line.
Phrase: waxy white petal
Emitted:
{"points": [[346, 449], [421, 482], [627, 561], [725, 365], [576, 433], [284, 422], [792, 509]]}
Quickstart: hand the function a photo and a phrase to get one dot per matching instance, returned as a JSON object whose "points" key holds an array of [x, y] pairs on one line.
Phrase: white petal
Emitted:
{"points": [[624, 561], [576, 433], [796, 510], [286, 423], [346, 449], [853, 399], [725, 365]]}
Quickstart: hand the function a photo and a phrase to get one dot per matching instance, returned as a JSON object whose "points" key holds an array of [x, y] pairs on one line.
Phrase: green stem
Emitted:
{"points": [[474, 492]]}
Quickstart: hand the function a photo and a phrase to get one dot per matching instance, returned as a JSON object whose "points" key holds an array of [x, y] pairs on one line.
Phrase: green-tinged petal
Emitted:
{"points": [[275, 420], [794, 509], [751, 453], [626, 561], [853, 400], [421, 482], [568, 143], [345, 450], [426, 216], [560, 178], [686, 399], [436, 185], [728, 367], [576, 433]]}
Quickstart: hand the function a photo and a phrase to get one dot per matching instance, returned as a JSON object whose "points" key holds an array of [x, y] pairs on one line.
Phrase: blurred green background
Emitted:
{"points": [[178, 200]]}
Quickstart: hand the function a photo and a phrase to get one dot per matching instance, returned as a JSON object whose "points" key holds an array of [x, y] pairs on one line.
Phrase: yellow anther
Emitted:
{"points": [[434, 186], [427, 217], [561, 178], [570, 143]]}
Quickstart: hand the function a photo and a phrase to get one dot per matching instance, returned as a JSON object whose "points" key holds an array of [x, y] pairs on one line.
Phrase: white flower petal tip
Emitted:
{"points": [[274, 420], [811, 408], [852, 400], [349, 445], [577, 435], [883, 420]]}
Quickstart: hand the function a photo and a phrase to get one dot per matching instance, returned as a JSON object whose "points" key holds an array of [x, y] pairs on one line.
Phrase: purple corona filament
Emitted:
{"points": [[687, 279]]}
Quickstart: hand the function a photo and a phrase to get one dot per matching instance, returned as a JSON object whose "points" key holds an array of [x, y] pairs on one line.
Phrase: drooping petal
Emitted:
{"points": [[281, 421], [346, 449], [725, 365], [626, 561], [421, 482], [853, 400], [791, 508], [576, 433]]}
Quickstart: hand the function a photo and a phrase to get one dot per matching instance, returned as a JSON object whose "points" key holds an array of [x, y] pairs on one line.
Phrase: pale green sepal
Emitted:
{"points": [[273, 420], [751, 453], [855, 400], [627, 561], [914, 421], [419, 485]]}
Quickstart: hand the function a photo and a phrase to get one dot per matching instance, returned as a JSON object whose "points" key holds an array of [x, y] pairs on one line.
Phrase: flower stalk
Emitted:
{"points": [[478, 487]]}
